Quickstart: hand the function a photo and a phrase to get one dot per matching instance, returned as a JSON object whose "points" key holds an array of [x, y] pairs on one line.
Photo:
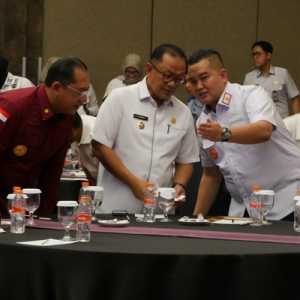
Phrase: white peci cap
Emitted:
{"points": [[67, 204]]}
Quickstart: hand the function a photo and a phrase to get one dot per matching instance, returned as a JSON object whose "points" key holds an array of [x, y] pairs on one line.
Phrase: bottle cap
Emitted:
{"points": [[17, 189], [84, 183], [255, 187]]}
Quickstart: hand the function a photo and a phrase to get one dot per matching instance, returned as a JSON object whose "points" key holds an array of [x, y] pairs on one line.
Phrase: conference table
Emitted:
{"points": [[153, 261]]}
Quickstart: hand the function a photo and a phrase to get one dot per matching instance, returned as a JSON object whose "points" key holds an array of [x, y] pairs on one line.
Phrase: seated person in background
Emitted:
{"points": [[83, 126], [193, 103], [243, 138], [35, 131], [131, 73], [275, 80], [292, 123], [91, 106], [9, 81]]}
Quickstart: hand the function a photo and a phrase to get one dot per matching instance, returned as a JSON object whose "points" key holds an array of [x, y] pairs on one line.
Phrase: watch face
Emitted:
{"points": [[226, 134]]}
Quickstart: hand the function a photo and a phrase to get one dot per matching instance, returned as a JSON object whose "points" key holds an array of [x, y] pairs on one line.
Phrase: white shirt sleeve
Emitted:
{"points": [[189, 150], [108, 120], [260, 107], [292, 89]]}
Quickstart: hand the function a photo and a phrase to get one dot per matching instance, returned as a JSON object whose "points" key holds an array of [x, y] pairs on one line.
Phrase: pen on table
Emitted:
{"points": [[168, 130]]}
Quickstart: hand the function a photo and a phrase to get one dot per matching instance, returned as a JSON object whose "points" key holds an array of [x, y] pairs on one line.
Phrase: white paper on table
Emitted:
{"points": [[157, 217], [232, 222], [47, 242]]}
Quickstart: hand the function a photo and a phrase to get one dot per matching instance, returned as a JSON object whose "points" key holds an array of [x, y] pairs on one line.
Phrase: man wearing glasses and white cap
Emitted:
{"points": [[144, 135], [35, 130]]}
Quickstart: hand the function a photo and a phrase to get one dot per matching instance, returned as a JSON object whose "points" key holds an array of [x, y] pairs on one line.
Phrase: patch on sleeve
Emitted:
{"points": [[4, 115]]}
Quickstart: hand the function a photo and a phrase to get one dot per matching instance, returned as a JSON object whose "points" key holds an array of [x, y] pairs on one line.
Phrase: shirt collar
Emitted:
{"points": [[224, 101], [144, 94], [44, 103], [271, 72]]}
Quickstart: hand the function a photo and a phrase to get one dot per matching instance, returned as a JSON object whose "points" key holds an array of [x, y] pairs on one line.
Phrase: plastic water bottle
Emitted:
{"points": [[150, 204], [297, 213], [84, 219], [17, 211]]}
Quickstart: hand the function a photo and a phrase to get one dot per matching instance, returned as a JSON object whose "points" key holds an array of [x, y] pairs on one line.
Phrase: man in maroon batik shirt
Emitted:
{"points": [[35, 131]]}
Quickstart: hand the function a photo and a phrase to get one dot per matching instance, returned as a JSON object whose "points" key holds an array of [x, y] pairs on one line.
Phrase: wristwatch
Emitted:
{"points": [[226, 134]]}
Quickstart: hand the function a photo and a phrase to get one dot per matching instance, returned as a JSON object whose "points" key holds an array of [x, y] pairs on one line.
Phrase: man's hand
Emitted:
{"points": [[179, 194], [140, 187], [211, 131]]}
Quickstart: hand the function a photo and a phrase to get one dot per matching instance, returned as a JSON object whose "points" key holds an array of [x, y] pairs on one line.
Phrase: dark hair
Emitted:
{"points": [[266, 46], [171, 49], [77, 121], [210, 54], [63, 70]]}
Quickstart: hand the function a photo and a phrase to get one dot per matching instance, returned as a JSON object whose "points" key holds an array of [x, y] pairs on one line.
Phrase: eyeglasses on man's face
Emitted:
{"points": [[168, 76], [80, 94]]}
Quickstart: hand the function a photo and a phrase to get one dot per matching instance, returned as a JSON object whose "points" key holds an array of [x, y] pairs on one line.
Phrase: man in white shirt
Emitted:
{"points": [[275, 80], [83, 127], [244, 139], [8, 81], [145, 135]]}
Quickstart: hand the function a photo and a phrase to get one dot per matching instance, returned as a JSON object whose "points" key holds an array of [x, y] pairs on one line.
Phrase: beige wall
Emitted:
{"points": [[103, 32], [279, 23]]}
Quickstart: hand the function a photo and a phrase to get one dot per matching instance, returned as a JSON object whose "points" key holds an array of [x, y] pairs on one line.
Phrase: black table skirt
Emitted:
{"points": [[118, 266]]}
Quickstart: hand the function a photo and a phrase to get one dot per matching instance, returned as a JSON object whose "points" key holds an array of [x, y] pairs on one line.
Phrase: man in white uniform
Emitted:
{"points": [[8, 81], [83, 127], [244, 139], [275, 80], [145, 135]]}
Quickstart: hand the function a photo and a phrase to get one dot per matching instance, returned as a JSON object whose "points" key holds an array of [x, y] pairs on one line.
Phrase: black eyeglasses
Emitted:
{"points": [[168, 77]]}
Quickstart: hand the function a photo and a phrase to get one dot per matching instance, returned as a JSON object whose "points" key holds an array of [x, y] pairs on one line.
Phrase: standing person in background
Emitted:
{"points": [[35, 131], [131, 73], [145, 135], [275, 80], [8, 81], [91, 106]]}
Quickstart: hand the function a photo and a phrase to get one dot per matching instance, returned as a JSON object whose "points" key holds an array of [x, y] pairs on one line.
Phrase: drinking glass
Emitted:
{"points": [[96, 194], [166, 200], [262, 201], [267, 203], [66, 213], [32, 202]]}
